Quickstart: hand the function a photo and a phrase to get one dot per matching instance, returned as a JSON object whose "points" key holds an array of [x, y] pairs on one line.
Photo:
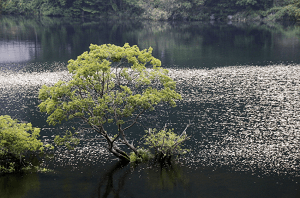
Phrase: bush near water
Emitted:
{"points": [[17, 140]]}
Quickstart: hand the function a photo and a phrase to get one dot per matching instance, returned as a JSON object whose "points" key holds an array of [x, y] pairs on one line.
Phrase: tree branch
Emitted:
{"points": [[135, 120]]}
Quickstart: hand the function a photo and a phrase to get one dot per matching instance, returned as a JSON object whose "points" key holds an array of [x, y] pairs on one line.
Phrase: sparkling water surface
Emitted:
{"points": [[245, 117]]}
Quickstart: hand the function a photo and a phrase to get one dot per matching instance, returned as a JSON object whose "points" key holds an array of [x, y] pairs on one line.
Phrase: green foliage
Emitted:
{"points": [[143, 155], [167, 9], [190, 10], [255, 4], [110, 84], [166, 176], [50, 8], [9, 7], [289, 10], [292, 9], [222, 8], [7, 167], [151, 9], [17, 140], [67, 140], [20, 6], [1, 6], [165, 143], [159, 9]]}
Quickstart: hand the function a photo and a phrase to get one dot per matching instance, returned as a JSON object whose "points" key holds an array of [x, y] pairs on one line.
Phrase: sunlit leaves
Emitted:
{"points": [[16, 139], [67, 140], [165, 143], [102, 84]]}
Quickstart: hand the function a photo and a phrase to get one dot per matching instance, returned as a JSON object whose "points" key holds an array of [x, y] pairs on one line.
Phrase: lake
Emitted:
{"points": [[241, 90]]}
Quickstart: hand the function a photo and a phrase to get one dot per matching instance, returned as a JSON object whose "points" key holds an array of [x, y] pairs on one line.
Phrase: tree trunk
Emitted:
{"points": [[120, 154], [114, 149], [126, 142]]}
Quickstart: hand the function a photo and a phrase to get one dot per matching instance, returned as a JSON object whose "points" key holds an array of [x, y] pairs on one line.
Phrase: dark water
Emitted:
{"points": [[240, 88]]}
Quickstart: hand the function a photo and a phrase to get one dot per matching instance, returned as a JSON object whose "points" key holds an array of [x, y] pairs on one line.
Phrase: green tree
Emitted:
{"points": [[285, 10], [293, 9], [17, 140], [110, 84]]}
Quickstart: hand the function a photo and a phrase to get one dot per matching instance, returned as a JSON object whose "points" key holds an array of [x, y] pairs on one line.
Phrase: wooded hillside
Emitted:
{"points": [[156, 9]]}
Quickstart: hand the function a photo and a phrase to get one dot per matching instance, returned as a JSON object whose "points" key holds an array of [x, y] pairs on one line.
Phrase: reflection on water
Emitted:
{"points": [[245, 117], [166, 177], [19, 91], [112, 183], [17, 51], [30, 80], [184, 44], [18, 186]]}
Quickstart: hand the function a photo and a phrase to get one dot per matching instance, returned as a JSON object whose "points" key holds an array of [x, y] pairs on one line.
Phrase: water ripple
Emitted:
{"points": [[245, 117], [29, 80]]}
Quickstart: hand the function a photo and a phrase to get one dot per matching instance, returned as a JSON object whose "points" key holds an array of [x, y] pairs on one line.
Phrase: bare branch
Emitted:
{"points": [[135, 120], [184, 131]]}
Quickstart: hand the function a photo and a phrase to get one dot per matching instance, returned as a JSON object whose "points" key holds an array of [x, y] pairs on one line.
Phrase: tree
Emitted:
{"points": [[110, 84], [293, 9], [285, 10], [17, 140]]}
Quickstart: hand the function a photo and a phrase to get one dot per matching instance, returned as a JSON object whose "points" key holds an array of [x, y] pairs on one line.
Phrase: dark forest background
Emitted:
{"points": [[158, 9]]}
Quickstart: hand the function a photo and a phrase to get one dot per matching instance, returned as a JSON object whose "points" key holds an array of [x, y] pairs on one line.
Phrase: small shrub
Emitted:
{"points": [[166, 143], [144, 155]]}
